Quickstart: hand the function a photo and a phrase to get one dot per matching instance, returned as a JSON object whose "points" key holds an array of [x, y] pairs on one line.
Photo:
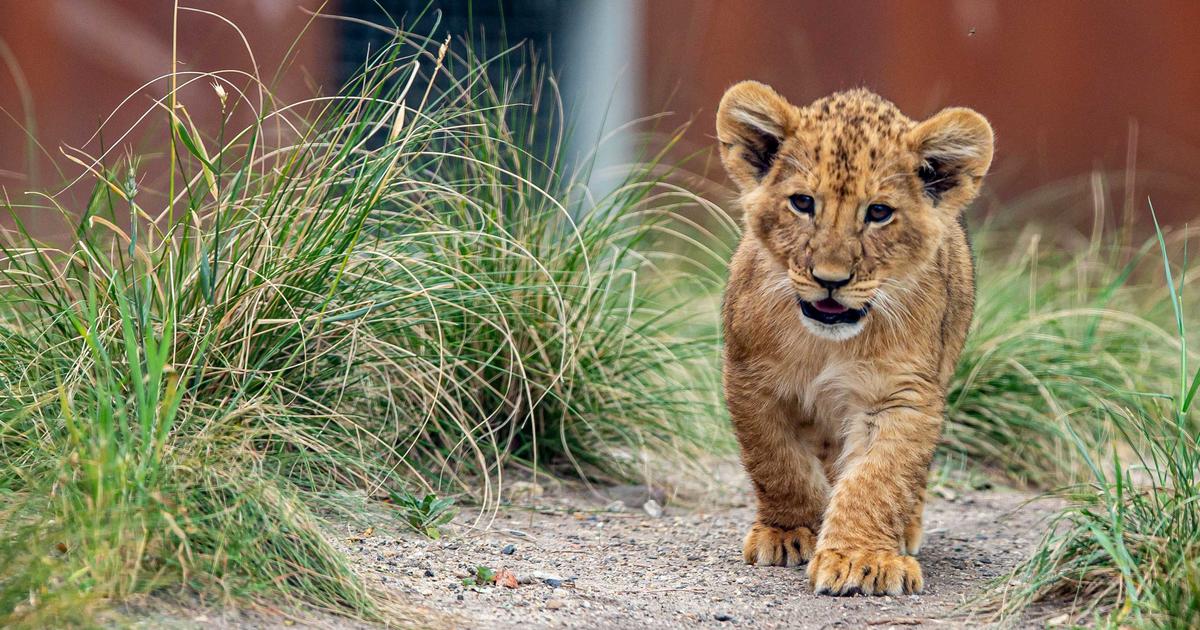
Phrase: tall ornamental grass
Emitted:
{"points": [[1062, 335], [401, 285], [1124, 551]]}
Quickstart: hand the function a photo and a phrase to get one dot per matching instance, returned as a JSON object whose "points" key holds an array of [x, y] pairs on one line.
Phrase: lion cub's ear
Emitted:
{"points": [[955, 150], [752, 122]]}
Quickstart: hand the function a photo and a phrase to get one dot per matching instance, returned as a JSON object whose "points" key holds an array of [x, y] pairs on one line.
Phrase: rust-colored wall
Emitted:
{"points": [[1061, 81], [80, 58]]}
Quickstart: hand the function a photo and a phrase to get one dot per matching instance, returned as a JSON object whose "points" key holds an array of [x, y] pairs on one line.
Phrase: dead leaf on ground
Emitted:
{"points": [[506, 578], [367, 533]]}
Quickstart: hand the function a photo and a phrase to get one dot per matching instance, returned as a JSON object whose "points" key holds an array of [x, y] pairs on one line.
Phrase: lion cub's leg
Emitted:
{"points": [[790, 485], [789, 509], [873, 503], [910, 541]]}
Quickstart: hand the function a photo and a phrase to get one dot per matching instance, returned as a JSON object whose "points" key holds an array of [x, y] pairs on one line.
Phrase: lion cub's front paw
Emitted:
{"points": [[766, 546], [848, 572]]}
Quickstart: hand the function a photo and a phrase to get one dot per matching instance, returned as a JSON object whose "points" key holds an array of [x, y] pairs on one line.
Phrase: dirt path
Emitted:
{"points": [[585, 566]]}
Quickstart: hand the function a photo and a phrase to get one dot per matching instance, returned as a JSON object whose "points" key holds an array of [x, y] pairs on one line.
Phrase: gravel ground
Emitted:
{"points": [[609, 559], [583, 561]]}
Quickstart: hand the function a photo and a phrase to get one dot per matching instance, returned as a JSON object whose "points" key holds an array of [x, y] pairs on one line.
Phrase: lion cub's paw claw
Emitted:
{"points": [[767, 546], [844, 573]]}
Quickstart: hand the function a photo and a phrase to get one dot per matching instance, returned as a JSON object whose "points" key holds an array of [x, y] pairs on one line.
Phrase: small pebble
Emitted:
{"points": [[553, 582], [428, 572], [508, 550], [555, 604], [652, 508], [525, 491], [723, 617]]}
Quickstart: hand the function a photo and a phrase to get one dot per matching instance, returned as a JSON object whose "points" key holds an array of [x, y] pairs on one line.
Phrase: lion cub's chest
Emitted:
{"points": [[827, 395], [826, 386]]}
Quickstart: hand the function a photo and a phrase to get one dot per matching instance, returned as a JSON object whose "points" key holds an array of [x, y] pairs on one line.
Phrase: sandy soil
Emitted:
{"points": [[583, 561], [606, 559]]}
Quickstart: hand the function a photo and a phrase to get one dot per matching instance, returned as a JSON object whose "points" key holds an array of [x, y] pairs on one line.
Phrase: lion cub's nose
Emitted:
{"points": [[829, 278]]}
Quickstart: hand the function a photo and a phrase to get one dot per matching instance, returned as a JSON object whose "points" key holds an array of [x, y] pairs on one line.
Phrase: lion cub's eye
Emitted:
{"points": [[879, 213], [802, 204]]}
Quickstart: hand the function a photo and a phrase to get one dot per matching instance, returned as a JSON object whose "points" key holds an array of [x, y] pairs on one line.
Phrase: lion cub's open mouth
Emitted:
{"points": [[830, 311]]}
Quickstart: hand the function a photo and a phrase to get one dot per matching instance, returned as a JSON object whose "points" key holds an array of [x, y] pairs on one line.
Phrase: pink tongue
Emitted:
{"points": [[830, 305]]}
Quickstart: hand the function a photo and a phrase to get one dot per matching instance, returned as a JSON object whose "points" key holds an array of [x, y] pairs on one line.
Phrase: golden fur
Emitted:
{"points": [[837, 422]]}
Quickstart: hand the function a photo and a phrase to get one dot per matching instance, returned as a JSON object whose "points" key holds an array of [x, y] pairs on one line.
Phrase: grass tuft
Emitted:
{"points": [[403, 288], [1122, 552], [1062, 337]]}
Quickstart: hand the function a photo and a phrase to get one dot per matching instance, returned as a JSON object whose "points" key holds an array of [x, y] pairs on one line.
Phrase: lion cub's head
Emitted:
{"points": [[848, 195]]}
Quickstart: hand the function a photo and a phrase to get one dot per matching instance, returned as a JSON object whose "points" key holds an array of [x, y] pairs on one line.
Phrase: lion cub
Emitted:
{"points": [[848, 302]]}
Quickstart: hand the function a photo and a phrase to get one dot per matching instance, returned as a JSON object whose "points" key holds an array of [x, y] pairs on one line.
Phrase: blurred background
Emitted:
{"points": [[1080, 92]]}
